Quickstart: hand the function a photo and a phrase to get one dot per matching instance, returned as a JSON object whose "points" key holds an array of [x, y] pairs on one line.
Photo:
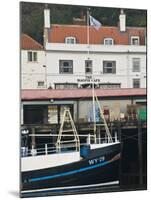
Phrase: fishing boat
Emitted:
{"points": [[70, 163]]}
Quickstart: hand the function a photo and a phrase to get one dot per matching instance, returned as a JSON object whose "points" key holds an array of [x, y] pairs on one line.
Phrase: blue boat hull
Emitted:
{"points": [[99, 166]]}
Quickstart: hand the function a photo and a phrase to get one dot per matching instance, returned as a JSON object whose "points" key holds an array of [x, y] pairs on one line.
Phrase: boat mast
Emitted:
{"points": [[88, 52], [88, 34], [66, 132]]}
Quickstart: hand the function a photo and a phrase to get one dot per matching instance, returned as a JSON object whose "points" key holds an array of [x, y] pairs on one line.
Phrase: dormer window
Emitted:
{"points": [[70, 40], [108, 41], [135, 40]]}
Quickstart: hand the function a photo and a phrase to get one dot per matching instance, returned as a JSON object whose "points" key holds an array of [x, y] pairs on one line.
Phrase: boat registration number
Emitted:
{"points": [[96, 160]]}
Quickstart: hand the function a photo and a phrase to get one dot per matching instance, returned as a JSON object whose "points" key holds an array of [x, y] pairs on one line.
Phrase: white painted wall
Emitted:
{"points": [[122, 54], [32, 72]]}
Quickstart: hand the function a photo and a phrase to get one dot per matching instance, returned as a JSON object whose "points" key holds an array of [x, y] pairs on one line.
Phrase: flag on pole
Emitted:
{"points": [[95, 23]]}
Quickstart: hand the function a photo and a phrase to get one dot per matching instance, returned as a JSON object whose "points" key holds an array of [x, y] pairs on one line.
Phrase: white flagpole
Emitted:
{"points": [[88, 33], [93, 98]]}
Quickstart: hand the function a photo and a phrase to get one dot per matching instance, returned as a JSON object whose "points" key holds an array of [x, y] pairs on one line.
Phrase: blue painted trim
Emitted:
{"points": [[68, 173]]}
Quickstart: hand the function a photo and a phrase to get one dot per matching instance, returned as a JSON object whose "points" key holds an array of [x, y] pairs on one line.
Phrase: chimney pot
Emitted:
{"points": [[122, 11], [122, 19], [46, 18]]}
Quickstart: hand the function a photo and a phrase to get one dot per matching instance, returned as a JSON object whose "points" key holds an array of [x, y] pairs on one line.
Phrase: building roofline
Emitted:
{"points": [[58, 94], [33, 40], [103, 26]]}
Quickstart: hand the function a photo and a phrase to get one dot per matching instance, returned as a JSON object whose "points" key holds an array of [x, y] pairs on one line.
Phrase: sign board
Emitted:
{"points": [[52, 114], [88, 79]]}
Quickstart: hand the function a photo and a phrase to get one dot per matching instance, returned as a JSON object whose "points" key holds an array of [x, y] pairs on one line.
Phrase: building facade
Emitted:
{"points": [[47, 106], [114, 58], [33, 71], [75, 56]]}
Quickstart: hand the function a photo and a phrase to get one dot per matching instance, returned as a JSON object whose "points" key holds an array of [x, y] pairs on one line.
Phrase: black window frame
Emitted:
{"points": [[109, 69], [66, 84], [89, 68], [32, 56], [62, 67], [136, 68], [40, 82], [134, 82], [110, 85]]}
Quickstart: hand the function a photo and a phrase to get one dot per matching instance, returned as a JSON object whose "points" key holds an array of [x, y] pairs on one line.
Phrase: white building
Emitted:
{"points": [[116, 58], [33, 70]]}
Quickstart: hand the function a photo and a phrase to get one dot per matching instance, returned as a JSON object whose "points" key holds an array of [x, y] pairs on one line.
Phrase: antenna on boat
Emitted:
{"points": [[67, 126]]}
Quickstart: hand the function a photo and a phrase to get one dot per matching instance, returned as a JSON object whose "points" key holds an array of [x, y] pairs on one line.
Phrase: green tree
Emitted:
{"points": [[32, 19]]}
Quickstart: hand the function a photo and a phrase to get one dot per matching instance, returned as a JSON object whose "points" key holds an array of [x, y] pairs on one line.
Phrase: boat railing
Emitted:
{"points": [[45, 149], [106, 139], [49, 148]]}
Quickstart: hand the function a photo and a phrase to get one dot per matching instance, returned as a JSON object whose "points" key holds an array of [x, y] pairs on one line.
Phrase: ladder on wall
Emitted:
{"points": [[68, 136]]}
